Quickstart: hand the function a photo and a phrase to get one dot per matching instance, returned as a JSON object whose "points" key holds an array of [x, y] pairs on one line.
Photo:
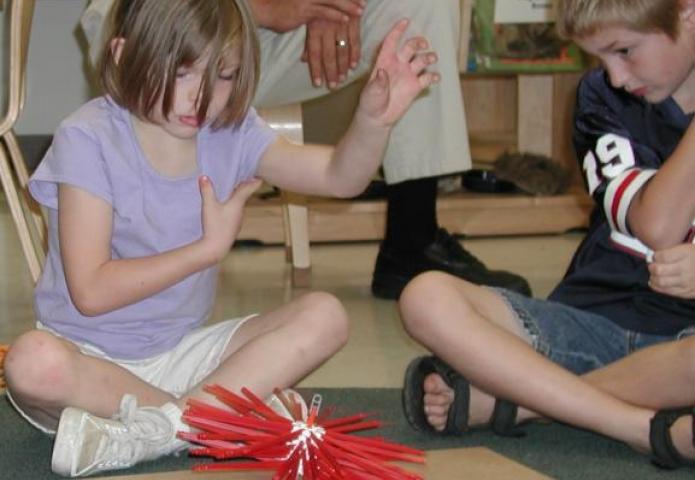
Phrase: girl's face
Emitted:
{"points": [[648, 65], [183, 121]]}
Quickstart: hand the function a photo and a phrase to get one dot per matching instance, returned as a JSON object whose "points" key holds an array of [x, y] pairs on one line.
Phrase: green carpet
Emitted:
{"points": [[556, 450]]}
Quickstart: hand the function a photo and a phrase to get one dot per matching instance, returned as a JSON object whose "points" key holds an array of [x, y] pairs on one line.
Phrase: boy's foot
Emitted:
{"points": [[86, 444], [436, 399], [394, 270]]}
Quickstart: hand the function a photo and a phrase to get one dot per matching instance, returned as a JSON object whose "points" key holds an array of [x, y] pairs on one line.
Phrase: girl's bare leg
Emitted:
{"points": [[277, 349], [46, 374]]}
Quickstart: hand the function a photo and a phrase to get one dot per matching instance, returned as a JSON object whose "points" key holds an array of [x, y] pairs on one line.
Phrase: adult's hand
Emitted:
{"points": [[331, 50], [285, 15]]}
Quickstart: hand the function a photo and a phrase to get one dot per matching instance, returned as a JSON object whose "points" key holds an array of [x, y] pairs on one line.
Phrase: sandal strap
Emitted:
{"points": [[664, 453], [503, 419], [457, 417], [413, 396]]}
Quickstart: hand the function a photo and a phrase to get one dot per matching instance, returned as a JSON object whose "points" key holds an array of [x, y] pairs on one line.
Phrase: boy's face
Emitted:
{"points": [[648, 65]]}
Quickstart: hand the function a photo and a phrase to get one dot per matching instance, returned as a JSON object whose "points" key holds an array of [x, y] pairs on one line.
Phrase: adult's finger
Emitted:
{"points": [[355, 41], [314, 48], [343, 46], [349, 7], [329, 57]]}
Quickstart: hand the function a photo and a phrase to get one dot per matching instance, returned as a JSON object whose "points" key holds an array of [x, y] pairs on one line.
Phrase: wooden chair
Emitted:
{"points": [[287, 120], [13, 171], [26, 214]]}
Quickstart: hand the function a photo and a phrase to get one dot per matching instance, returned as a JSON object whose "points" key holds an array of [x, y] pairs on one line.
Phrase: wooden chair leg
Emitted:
{"points": [[297, 230], [22, 173], [18, 215], [288, 121]]}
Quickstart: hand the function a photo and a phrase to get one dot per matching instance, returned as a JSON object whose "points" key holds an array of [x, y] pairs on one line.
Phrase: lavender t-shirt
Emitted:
{"points": [[95, 149]]}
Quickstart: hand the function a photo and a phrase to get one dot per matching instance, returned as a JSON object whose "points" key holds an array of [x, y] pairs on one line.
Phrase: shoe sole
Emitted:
{"points": [[65, 445]]}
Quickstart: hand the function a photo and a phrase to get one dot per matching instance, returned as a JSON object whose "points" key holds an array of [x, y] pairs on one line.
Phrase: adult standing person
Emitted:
{"points": [[310, 48]]}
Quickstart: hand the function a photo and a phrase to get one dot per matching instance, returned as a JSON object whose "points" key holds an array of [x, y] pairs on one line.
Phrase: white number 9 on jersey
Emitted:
{"points": [[614, 157]]}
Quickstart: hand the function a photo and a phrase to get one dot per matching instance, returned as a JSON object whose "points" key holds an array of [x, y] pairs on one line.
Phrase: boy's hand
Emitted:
{"points": [[285, 15], [398, 77], [222, 221], [672, 271]]}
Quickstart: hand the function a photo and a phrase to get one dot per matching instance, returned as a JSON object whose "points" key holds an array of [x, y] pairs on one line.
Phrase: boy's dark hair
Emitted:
{"points": [[578, 18], [160, 36]]}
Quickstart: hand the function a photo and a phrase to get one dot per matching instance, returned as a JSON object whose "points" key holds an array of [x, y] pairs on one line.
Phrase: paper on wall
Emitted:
{"points": [[524, 11]]}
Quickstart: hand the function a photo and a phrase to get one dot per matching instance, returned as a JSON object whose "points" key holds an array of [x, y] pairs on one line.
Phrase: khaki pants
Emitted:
{"points": [[431, 139]]}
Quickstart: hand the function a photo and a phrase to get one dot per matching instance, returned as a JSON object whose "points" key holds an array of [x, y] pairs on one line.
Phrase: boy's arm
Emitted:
{"points": [[399, 76], [619, 168], [662, 212], [99, 284]]}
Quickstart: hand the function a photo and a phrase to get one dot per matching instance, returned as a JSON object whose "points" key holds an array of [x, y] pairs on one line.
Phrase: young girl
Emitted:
{"points": [[145, 189]]}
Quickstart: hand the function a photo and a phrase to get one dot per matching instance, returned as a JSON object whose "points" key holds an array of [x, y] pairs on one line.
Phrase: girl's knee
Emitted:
{"points": [[325, 320], [38, 365]]}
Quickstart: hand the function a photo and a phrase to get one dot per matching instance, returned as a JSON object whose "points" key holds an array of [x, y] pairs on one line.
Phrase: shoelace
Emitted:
{"points": [[451, 244], [144, 427]]}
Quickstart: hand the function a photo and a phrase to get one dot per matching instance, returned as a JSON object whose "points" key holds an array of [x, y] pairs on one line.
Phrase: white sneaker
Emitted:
{"points": [[292, 397], [87, 444]]}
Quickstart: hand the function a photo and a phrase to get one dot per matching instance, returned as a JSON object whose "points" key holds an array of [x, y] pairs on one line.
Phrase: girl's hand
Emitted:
{"points": [[672, 271], [400, 74], [222, 221]]}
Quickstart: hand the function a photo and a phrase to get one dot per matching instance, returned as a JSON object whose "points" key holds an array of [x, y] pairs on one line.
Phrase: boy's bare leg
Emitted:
{"points": [[46, 374], [451, 318]]}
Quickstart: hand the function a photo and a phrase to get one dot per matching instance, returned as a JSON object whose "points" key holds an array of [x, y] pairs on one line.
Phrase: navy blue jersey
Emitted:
{"points": [[621, 141]]}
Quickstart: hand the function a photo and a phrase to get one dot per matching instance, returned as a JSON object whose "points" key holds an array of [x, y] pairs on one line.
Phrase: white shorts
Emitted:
{"points": [[175, 371]]}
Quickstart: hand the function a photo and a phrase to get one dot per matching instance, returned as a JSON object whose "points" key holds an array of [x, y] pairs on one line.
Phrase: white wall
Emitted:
{"points": [[57, 79]]}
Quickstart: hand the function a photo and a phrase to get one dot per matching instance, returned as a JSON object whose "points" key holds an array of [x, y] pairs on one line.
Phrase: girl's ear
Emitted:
{"points": [[116, 46]]}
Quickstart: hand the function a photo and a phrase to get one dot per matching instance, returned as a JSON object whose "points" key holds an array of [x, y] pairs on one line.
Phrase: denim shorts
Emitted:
{"points": [[578, 340]]}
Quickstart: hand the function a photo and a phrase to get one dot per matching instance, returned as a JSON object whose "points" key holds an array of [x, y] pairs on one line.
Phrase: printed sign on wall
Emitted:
{"points": [[524, 11]]}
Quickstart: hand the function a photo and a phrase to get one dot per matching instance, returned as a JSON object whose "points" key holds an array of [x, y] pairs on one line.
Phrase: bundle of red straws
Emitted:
{"points": [[312, 447]]}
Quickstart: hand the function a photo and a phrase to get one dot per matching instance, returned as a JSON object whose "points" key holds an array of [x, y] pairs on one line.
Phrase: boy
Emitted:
{"points": [[611, 351]]}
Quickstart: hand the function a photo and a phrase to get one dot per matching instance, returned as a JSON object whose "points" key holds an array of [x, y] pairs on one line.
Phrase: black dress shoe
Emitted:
{"points": [[394, 270]]}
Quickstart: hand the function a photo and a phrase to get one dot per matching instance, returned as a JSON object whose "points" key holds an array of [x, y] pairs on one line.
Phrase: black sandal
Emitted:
{"points": [[664, 453], [502, 421]]}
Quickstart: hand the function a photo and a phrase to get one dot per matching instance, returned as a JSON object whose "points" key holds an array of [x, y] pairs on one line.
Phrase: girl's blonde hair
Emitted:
{"points": [[160, 36], [578, 18]]}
